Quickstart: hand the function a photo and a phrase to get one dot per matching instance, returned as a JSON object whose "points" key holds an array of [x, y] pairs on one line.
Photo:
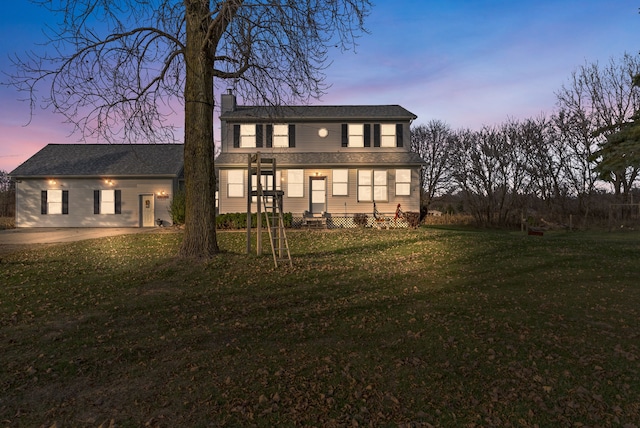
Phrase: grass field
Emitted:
{"points": [[427, 327]]}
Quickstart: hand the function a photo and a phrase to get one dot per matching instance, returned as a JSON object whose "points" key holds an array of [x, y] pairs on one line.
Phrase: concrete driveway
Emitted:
{"points": [[13, 239]]}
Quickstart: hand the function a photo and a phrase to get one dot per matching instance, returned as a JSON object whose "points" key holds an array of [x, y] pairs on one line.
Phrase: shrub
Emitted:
{"points": [[413, 218], [360, 219], [177, 207], [232, 221], [7, 223], [288, 219]]}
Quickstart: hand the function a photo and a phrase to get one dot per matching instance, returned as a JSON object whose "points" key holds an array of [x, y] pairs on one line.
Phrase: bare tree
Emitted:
{"points": [[547, 164], [573, 148], [7, 195], [535, 137], [115, 69], [494, 169], [603, 99], [433, 142], [476, 168], [5, 181]]}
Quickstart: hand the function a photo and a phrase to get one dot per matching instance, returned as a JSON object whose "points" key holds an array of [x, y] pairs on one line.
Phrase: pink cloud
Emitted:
{"points": [[19, 139]]}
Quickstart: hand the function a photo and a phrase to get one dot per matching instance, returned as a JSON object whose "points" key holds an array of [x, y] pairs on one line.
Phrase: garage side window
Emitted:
{"points": [[54, 202], [107, 201]]}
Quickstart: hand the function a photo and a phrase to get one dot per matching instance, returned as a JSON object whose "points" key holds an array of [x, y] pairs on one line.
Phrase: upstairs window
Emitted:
{"points": [[280, 135], [247, 135], [376, 134], [356, 134], [387, 135]]}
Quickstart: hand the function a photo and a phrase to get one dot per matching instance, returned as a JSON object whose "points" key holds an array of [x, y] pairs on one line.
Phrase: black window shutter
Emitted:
{"points": [[43, 202], [376, 135], [236, 136], [345, 136], [65, 202], [118, 198], [399, 139], [292, 135], [269, 136], [367, 135], [96, 202], [259, 135]]}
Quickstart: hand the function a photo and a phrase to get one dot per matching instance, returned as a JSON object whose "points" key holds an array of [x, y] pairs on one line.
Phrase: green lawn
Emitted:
{"points": [[427, 327]]}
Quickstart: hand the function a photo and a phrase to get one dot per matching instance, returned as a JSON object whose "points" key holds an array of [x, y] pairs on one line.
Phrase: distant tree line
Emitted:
{"points": [[7, 195], [573, 162]]}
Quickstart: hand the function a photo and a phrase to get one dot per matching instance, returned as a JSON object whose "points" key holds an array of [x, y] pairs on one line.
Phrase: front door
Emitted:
{"points": [[146, 211], [318, 195]]}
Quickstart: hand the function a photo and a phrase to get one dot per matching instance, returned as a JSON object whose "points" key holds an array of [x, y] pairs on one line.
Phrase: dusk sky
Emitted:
{"points": [[466, 63]]}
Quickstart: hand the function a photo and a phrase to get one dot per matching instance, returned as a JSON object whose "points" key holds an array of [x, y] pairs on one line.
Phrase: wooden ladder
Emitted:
{"points": [[272, 200]]}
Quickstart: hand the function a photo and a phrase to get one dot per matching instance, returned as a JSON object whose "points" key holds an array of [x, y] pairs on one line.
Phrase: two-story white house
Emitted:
{"points": [[331, 160]]}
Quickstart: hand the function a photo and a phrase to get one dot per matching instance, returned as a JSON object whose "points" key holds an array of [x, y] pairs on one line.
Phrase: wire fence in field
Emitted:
{"points": [[624, 216]]}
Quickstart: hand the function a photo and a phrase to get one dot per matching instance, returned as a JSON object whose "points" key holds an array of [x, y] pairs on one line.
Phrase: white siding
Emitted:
{"points": [[308, 140], [28, 200], [336, 205]]}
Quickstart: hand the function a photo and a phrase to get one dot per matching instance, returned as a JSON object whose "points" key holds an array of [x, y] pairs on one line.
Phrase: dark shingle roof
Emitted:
{"points": [[103, 159], [310, 113], [325, 159]]}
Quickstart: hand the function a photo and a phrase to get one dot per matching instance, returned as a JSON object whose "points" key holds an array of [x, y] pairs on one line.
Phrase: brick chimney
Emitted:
{"points": [[228, 101]]}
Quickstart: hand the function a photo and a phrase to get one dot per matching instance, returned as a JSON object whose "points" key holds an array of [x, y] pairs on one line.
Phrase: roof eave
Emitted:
{"points": [[368, 119], [76, 176]]}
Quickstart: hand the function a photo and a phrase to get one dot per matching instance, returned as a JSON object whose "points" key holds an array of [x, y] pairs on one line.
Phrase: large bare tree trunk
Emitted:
{"points": [[200, 232], [122, 79]]}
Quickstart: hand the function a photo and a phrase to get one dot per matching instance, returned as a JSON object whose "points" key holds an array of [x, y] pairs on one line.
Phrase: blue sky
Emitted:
{"points": [[467, 63]]}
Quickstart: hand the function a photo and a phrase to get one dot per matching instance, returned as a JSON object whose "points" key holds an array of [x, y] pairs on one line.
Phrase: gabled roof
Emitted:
{"points": [[103, 159], [326, 159], [319, 113]]}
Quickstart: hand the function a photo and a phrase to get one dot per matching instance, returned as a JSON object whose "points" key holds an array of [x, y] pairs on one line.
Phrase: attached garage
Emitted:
{"points": [[98, 185]]}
